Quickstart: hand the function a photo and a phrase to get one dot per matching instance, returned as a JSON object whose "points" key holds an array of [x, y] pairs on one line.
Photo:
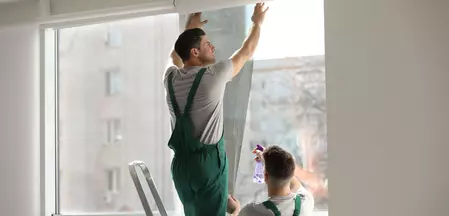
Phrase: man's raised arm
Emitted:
{"points": [[241, 56]]}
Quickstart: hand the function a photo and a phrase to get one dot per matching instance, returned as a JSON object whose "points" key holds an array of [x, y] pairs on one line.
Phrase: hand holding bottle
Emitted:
{"points": [[258, 176]]}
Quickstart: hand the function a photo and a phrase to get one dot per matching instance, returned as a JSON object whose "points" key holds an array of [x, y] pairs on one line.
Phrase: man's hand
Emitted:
{"points": [[259, 154], [259, 13], [233, 206], [194, 21]]}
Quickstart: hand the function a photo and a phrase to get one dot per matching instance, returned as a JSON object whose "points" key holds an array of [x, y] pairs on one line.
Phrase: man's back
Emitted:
{"points": [[207, 108], [285, 204]]}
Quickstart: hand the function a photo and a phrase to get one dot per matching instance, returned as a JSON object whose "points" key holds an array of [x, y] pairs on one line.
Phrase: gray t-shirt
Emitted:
{"points": [[207, 107], [285, 204]]}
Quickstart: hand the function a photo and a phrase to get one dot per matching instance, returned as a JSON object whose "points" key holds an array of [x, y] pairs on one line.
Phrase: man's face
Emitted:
{"points": [[207, 51]]}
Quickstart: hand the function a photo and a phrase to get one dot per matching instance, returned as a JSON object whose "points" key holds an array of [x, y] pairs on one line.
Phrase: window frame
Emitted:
{"points": [[49, 105]]}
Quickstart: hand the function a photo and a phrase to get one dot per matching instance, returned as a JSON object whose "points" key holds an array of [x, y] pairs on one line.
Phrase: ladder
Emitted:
{"points": [[146, 206]]}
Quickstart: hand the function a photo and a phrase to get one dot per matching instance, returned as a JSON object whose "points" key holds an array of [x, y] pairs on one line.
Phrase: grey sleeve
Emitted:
{"points": [[308, 203], [245, 211], [167, 72], [223, 70], [253, 209]]}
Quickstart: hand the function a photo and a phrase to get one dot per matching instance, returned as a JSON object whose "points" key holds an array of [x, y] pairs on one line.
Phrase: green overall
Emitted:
{"points": [[270, 205], [199, 170]]}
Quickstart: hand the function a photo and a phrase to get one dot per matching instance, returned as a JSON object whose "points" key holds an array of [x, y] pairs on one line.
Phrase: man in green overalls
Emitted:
{"points": [[195, 88], [287, 196]]}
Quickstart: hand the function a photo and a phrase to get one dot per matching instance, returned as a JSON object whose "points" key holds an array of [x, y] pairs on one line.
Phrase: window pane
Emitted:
{"points": [[113, 82], [113, 131], [226, 30], [280, 100], [113, 36], [102, 134], [281, 94]]}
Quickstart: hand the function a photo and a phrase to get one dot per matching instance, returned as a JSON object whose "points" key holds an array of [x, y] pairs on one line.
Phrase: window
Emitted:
{"points": [[96, 179], [113, 36], [113, 180], [286, 98], [113, 131], [113, 82], [280, 93]]}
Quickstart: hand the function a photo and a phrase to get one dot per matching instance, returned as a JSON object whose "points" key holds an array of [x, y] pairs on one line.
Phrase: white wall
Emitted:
{"points": [[388, 104], [19, 121]]}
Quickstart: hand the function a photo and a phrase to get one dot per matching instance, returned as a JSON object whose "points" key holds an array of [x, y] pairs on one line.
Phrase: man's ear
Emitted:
{"points": [[265, 176], [194, 52]]}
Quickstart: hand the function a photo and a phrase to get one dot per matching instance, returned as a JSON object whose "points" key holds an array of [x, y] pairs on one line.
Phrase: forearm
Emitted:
{"points": [[303, 174], [309, 178], [250, 43], [295, 184], [176, 60], [236, 212]]}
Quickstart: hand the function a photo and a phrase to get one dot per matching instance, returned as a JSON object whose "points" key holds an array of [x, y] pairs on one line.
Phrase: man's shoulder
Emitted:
{"points": [[222, 65], [168, 71], [304, 193], [253, 209], [307, 201]]}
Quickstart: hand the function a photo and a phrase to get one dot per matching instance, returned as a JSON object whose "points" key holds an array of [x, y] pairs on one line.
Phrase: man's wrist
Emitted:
{"points": [[257, 24], [191, 27], [236, 211]]}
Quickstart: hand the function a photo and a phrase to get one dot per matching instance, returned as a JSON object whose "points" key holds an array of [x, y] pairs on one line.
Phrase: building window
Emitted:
{"points": [[91, 184], [113, 180], [113, 82], [113, 131], [114, 36]]}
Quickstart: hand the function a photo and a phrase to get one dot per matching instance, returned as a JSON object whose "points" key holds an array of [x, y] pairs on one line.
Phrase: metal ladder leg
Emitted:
{"points": [[132, 170]]}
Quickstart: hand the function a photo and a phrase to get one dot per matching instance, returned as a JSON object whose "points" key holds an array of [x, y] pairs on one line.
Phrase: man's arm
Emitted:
{"points": [[295, 184], [307, 176], [175, 59], [193, 21], [233, 206], [242, 55]]}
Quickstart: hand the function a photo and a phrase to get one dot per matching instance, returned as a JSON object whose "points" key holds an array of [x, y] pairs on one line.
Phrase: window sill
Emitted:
{"points": [[156, 213]]}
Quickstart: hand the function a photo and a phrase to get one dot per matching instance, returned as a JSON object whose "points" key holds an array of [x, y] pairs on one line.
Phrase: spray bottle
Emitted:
{"points": [[258, 172]]}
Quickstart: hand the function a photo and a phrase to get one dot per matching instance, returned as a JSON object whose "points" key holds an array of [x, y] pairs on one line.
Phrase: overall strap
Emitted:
{"points": [[193, 89], [171, 92], [297, 206], [271, 206]]}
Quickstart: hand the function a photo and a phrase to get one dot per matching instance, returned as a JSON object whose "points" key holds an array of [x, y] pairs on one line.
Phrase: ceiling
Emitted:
{"points": [[8, 1]]}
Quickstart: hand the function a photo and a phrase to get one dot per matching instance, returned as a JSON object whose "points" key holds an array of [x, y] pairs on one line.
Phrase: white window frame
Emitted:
{"points": [[48, 39]]}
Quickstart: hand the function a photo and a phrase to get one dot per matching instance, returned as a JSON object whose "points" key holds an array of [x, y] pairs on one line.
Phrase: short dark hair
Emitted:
{"points": [[279, 165], [188, 40]]}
